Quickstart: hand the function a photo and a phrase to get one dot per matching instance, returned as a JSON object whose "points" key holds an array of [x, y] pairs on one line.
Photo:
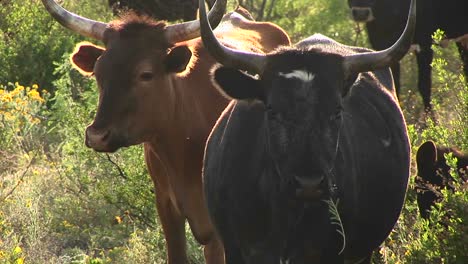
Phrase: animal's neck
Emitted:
{"points": [[190, 113]]}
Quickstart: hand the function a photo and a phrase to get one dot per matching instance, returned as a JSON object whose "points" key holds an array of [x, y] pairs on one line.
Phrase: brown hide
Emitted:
{"points": [[160, 94]]}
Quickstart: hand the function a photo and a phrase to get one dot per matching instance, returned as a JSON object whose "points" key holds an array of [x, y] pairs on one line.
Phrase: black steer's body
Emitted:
{"points": [[303, 133]]}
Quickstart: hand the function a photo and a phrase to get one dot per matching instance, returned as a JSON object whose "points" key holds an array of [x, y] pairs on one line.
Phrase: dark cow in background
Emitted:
{"points": [[319, 122], [171, 10], [434, 174], [155, 89], [385, 20]]}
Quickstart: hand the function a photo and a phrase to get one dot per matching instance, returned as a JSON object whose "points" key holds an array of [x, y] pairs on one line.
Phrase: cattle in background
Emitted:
{"points": [[318, 122], [385, 20], [154, 88], [171, 10], [434, 174]]}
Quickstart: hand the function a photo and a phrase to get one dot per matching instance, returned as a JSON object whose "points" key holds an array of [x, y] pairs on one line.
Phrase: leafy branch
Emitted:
{"points": [[336, 220]]}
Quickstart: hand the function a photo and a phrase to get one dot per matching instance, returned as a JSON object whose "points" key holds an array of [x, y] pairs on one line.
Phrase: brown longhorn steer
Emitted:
{"points": [[155, 89]]}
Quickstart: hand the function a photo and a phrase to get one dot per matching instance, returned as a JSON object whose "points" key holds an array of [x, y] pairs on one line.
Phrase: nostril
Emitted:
{"points": [[98, 139], [95, 136], [361, 14]]}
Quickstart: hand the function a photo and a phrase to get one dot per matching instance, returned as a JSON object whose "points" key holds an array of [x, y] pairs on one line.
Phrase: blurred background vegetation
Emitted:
{"points": [[63, 203]]}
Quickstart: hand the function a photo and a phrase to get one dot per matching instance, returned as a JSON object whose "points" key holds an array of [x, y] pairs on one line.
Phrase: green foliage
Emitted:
{"points": [[302, 18], [442, 239], [329, 18], [30, 40]]}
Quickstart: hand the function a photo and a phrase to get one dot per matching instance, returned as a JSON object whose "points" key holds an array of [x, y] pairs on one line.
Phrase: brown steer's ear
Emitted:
{"points": [[178, 59], [84, 57], [427, 154]]}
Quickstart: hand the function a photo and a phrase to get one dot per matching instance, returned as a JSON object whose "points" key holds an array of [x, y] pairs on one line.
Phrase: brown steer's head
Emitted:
{"points": [[133, 72]]}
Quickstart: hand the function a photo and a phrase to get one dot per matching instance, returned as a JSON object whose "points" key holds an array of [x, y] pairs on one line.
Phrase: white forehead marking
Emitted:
{"points": [[302, 75]]}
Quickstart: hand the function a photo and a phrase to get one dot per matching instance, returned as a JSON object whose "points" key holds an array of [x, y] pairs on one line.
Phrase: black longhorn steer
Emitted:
{"points": [[385, 20], [321, 122]]}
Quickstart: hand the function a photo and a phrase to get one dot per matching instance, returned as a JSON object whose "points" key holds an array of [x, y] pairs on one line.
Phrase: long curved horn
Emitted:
{"points": [[191, 29], [369, 61], [79, 24], [252, 62]]}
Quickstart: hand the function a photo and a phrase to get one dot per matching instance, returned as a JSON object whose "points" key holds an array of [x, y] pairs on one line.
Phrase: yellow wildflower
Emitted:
{"points": [[118, 219], [34, 94], [66, 224], [7, 98], [17, 250], [35, 86], [15, 92]]}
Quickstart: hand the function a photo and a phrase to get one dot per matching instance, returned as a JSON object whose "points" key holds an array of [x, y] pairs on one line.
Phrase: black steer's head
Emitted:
{"points": [[361, 10], [301, 87], [302, 90]]}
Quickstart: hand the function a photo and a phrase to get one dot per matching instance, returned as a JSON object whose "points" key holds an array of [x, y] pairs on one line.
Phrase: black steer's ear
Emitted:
{"points": [[178, 59], [85, 56], [427, 155], [235, 84]]}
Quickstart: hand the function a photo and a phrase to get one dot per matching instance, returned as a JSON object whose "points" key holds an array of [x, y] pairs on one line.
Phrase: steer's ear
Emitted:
{"points": [[427, 155], [235, 84], [178, 59], [85, 56]]}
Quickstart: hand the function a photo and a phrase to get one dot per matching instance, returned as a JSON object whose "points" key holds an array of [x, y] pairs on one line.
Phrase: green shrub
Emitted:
{"points": [[31, 40]]}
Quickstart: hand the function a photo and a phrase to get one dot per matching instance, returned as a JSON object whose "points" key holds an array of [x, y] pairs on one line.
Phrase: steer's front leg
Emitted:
{"points": [[172, 221]]}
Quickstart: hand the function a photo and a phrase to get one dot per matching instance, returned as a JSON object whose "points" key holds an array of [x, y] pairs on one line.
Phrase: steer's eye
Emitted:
{"points": [[146, 76]]}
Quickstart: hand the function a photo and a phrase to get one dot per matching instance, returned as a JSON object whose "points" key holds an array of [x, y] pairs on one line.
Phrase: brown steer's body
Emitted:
{"points": [[174, 154], [155, 89]]}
